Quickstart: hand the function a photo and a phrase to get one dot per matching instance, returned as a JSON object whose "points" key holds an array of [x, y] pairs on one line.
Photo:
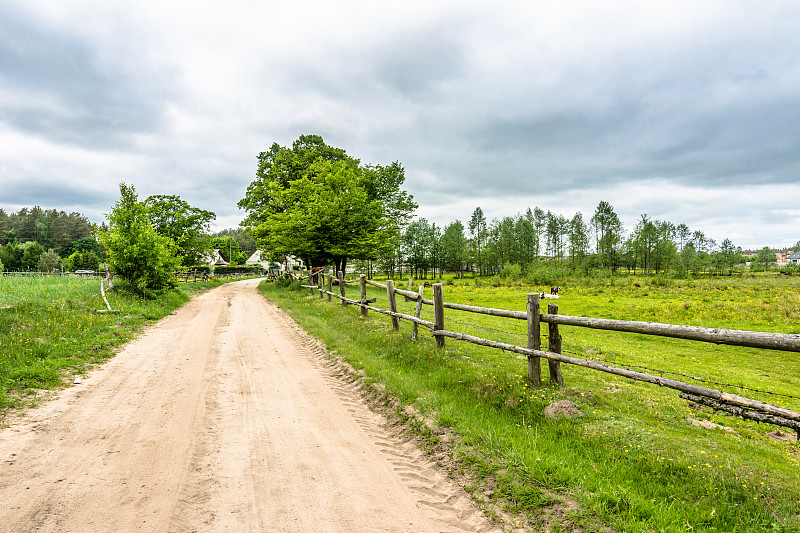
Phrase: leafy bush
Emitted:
{"points": [[660, 280], [511, 271], [239, 269], [82, 261], [141, 257], [545, 272], [49, 262]]}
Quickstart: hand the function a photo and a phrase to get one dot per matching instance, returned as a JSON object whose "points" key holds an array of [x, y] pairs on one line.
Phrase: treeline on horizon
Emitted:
{"points": [[541, 246], [538, 244], [47, 240]]}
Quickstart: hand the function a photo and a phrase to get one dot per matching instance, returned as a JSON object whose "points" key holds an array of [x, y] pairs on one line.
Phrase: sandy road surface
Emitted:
{"points": [[220, 418]]}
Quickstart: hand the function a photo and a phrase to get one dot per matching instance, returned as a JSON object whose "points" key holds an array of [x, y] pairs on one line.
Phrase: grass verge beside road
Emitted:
{"points": [[634, 461], [50, 330]]}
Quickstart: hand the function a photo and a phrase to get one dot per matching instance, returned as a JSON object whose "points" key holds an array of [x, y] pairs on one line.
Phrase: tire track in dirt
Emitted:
{"points": [[445, 503]]}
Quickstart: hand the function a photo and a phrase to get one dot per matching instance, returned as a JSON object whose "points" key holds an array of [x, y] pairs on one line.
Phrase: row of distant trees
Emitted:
{"points": [[540, 239], [35, 239], [317, 203]]}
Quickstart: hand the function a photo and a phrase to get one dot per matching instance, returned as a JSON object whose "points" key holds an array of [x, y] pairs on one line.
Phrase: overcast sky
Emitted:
{"points": [[688, 111]]}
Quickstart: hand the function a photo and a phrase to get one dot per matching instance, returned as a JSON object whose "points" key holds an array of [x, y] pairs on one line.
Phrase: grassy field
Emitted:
{"points": [[636, 460], [50, 330]]}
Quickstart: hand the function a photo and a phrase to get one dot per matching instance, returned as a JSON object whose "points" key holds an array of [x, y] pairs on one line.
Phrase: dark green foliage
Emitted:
{"points": [[87, 244], [247, 244], [229, 249], [82, 261], [185, 225], [50, 228], [317, 203], [239, 269]]}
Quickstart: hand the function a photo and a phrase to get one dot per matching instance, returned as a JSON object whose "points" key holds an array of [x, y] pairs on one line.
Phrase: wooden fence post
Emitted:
{"points": [[417, 312], [330, 286], [341, 286], [311, 283], [438, 312], [554, 346], [534, 339], [362, 279], [410, 282], [392, 303]]}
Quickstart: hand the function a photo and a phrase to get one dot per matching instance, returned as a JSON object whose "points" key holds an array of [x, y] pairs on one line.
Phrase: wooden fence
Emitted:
{"points": [[718, 400]]}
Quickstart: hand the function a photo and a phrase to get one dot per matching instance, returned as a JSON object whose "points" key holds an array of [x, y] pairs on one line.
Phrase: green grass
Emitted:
{"points": [[634, 461], [50, 330]]}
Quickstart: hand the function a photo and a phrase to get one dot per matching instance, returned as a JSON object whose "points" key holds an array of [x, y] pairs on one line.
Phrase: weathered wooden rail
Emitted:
{"points": [[737, 405]]}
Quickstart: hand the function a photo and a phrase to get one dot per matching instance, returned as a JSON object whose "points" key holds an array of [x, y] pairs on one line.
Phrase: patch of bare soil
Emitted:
{"points": [[223, 417]]}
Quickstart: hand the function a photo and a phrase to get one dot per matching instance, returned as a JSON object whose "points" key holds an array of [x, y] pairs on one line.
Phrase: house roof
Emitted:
{"points": [[795, 255]]}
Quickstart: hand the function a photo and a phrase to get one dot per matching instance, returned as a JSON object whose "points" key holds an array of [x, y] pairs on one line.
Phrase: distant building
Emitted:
{"points": [[793, 258], [214, 258], [257, 259]]}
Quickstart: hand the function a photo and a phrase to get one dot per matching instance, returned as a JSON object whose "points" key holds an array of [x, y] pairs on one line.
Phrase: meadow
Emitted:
{"points": [[51, 332], [638, 459]]}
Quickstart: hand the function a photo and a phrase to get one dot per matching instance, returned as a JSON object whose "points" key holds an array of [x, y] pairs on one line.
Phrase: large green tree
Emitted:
{"points": [[455, 250], [477, 231], [185, 225], [608, 233], [317, 203], [140, 256]]}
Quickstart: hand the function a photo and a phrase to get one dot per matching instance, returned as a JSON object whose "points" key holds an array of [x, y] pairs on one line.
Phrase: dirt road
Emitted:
{"points": [[219, 418]]}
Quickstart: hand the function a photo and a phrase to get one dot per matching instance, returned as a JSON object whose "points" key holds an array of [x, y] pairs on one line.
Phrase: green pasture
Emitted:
{"points": [[637, 460], [50, 330]]}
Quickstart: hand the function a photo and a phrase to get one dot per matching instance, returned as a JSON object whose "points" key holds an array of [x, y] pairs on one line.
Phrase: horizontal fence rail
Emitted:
{"points": [[733, 337], [746, 408]]}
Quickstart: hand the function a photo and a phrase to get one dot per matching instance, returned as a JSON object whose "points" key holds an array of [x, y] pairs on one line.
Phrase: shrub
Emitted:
{"points": [[239, 269], [141, 257], [660, 280], [545, 272], [49, 262], [511, 271]]}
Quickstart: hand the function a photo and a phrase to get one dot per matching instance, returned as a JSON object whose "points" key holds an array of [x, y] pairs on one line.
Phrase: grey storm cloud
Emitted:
{"points": [[687, 111], [66, 92]]}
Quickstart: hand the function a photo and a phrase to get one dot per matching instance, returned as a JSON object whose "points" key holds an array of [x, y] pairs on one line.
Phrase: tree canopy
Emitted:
{"points": [[317, 203], [185, 225]]}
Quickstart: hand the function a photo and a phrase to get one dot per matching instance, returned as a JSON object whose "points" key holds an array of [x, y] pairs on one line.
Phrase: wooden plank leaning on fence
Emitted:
{"points": [[341, 287]]}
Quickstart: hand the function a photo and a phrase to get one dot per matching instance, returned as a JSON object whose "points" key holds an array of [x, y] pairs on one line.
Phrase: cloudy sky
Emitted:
{"points": [[688, 111]]}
